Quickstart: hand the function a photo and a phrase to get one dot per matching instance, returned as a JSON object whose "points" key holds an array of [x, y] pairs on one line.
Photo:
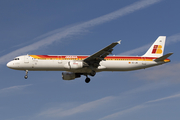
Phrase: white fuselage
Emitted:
{"points": [[111, 63]]}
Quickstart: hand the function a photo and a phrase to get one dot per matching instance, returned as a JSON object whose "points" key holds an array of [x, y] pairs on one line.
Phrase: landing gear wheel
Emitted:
{"points": [[25, 76], [87, 80]]}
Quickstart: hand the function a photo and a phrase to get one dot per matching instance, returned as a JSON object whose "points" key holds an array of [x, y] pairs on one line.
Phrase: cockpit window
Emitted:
{"points": [[16, 58]]}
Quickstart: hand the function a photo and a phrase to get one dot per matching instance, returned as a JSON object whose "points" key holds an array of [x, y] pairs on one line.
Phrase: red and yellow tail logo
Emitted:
{"points": [[157, 49]]}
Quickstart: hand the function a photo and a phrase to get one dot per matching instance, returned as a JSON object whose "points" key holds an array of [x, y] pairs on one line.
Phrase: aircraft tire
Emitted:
{"points": [[25, 76], [87, 80]]}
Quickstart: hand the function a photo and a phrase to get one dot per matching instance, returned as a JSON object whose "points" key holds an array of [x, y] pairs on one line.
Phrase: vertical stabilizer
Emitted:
{"points": [[157, 49]]}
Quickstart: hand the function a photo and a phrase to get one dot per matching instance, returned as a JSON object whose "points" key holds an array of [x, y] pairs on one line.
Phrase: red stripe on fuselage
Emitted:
{"points": [[84, 57]]}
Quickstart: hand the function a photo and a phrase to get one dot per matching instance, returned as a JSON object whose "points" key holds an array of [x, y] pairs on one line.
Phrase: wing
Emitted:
{"points": [[94, 59]]}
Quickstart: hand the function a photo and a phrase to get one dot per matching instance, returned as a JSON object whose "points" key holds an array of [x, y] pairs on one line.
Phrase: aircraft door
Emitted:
{"points": [[26, 59], [143, 61], [59, 60], [34, 63]]}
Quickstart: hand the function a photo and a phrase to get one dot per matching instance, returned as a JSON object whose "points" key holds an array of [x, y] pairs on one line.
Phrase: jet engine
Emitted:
{"points": [[70, 75], [73, 65]]}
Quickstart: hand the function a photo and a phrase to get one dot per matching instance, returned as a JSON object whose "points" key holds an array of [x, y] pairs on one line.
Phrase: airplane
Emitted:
{"points": [[77, 65]]}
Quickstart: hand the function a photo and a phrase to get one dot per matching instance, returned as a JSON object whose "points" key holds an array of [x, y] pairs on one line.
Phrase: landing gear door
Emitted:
{"points": [[26, 59]]}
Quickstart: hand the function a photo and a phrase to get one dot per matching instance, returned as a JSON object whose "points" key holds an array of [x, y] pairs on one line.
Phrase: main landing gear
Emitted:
{"points": [[87, 80], [26, 76], [93, 73]]}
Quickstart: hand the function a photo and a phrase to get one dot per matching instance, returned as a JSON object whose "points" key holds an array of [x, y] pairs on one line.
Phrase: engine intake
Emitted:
{"points": [[70, 75]]}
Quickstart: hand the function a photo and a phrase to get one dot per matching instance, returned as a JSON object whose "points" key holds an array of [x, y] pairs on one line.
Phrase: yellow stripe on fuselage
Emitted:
{"points": [[35, 56]]}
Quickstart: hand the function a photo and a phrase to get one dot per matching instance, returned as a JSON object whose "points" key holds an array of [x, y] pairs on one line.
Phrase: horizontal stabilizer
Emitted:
{"points": [[162, 58]]}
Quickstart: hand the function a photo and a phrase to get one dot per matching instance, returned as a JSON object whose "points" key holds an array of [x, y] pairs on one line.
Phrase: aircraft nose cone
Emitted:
{"points": [[9, 65]]}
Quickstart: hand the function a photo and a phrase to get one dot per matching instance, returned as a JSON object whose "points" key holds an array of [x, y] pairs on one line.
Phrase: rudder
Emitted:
{"points": [[157, 49]]}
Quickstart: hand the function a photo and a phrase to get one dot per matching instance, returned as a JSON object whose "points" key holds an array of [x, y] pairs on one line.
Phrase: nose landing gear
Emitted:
{"points": [[26, 76]]}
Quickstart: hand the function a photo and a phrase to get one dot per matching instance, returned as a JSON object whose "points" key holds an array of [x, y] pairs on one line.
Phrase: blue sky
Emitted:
{"points": [[84, 27]]}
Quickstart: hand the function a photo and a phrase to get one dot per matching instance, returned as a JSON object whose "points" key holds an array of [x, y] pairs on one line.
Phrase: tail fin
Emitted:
{"points": [[157, 49]]}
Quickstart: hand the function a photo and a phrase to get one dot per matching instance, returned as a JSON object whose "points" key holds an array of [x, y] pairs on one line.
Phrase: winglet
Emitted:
{"points": [[119, 42]]}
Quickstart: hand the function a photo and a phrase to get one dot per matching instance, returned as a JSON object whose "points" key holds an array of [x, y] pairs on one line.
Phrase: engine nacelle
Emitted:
{"points": [[70, 75], [73, 65]]}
